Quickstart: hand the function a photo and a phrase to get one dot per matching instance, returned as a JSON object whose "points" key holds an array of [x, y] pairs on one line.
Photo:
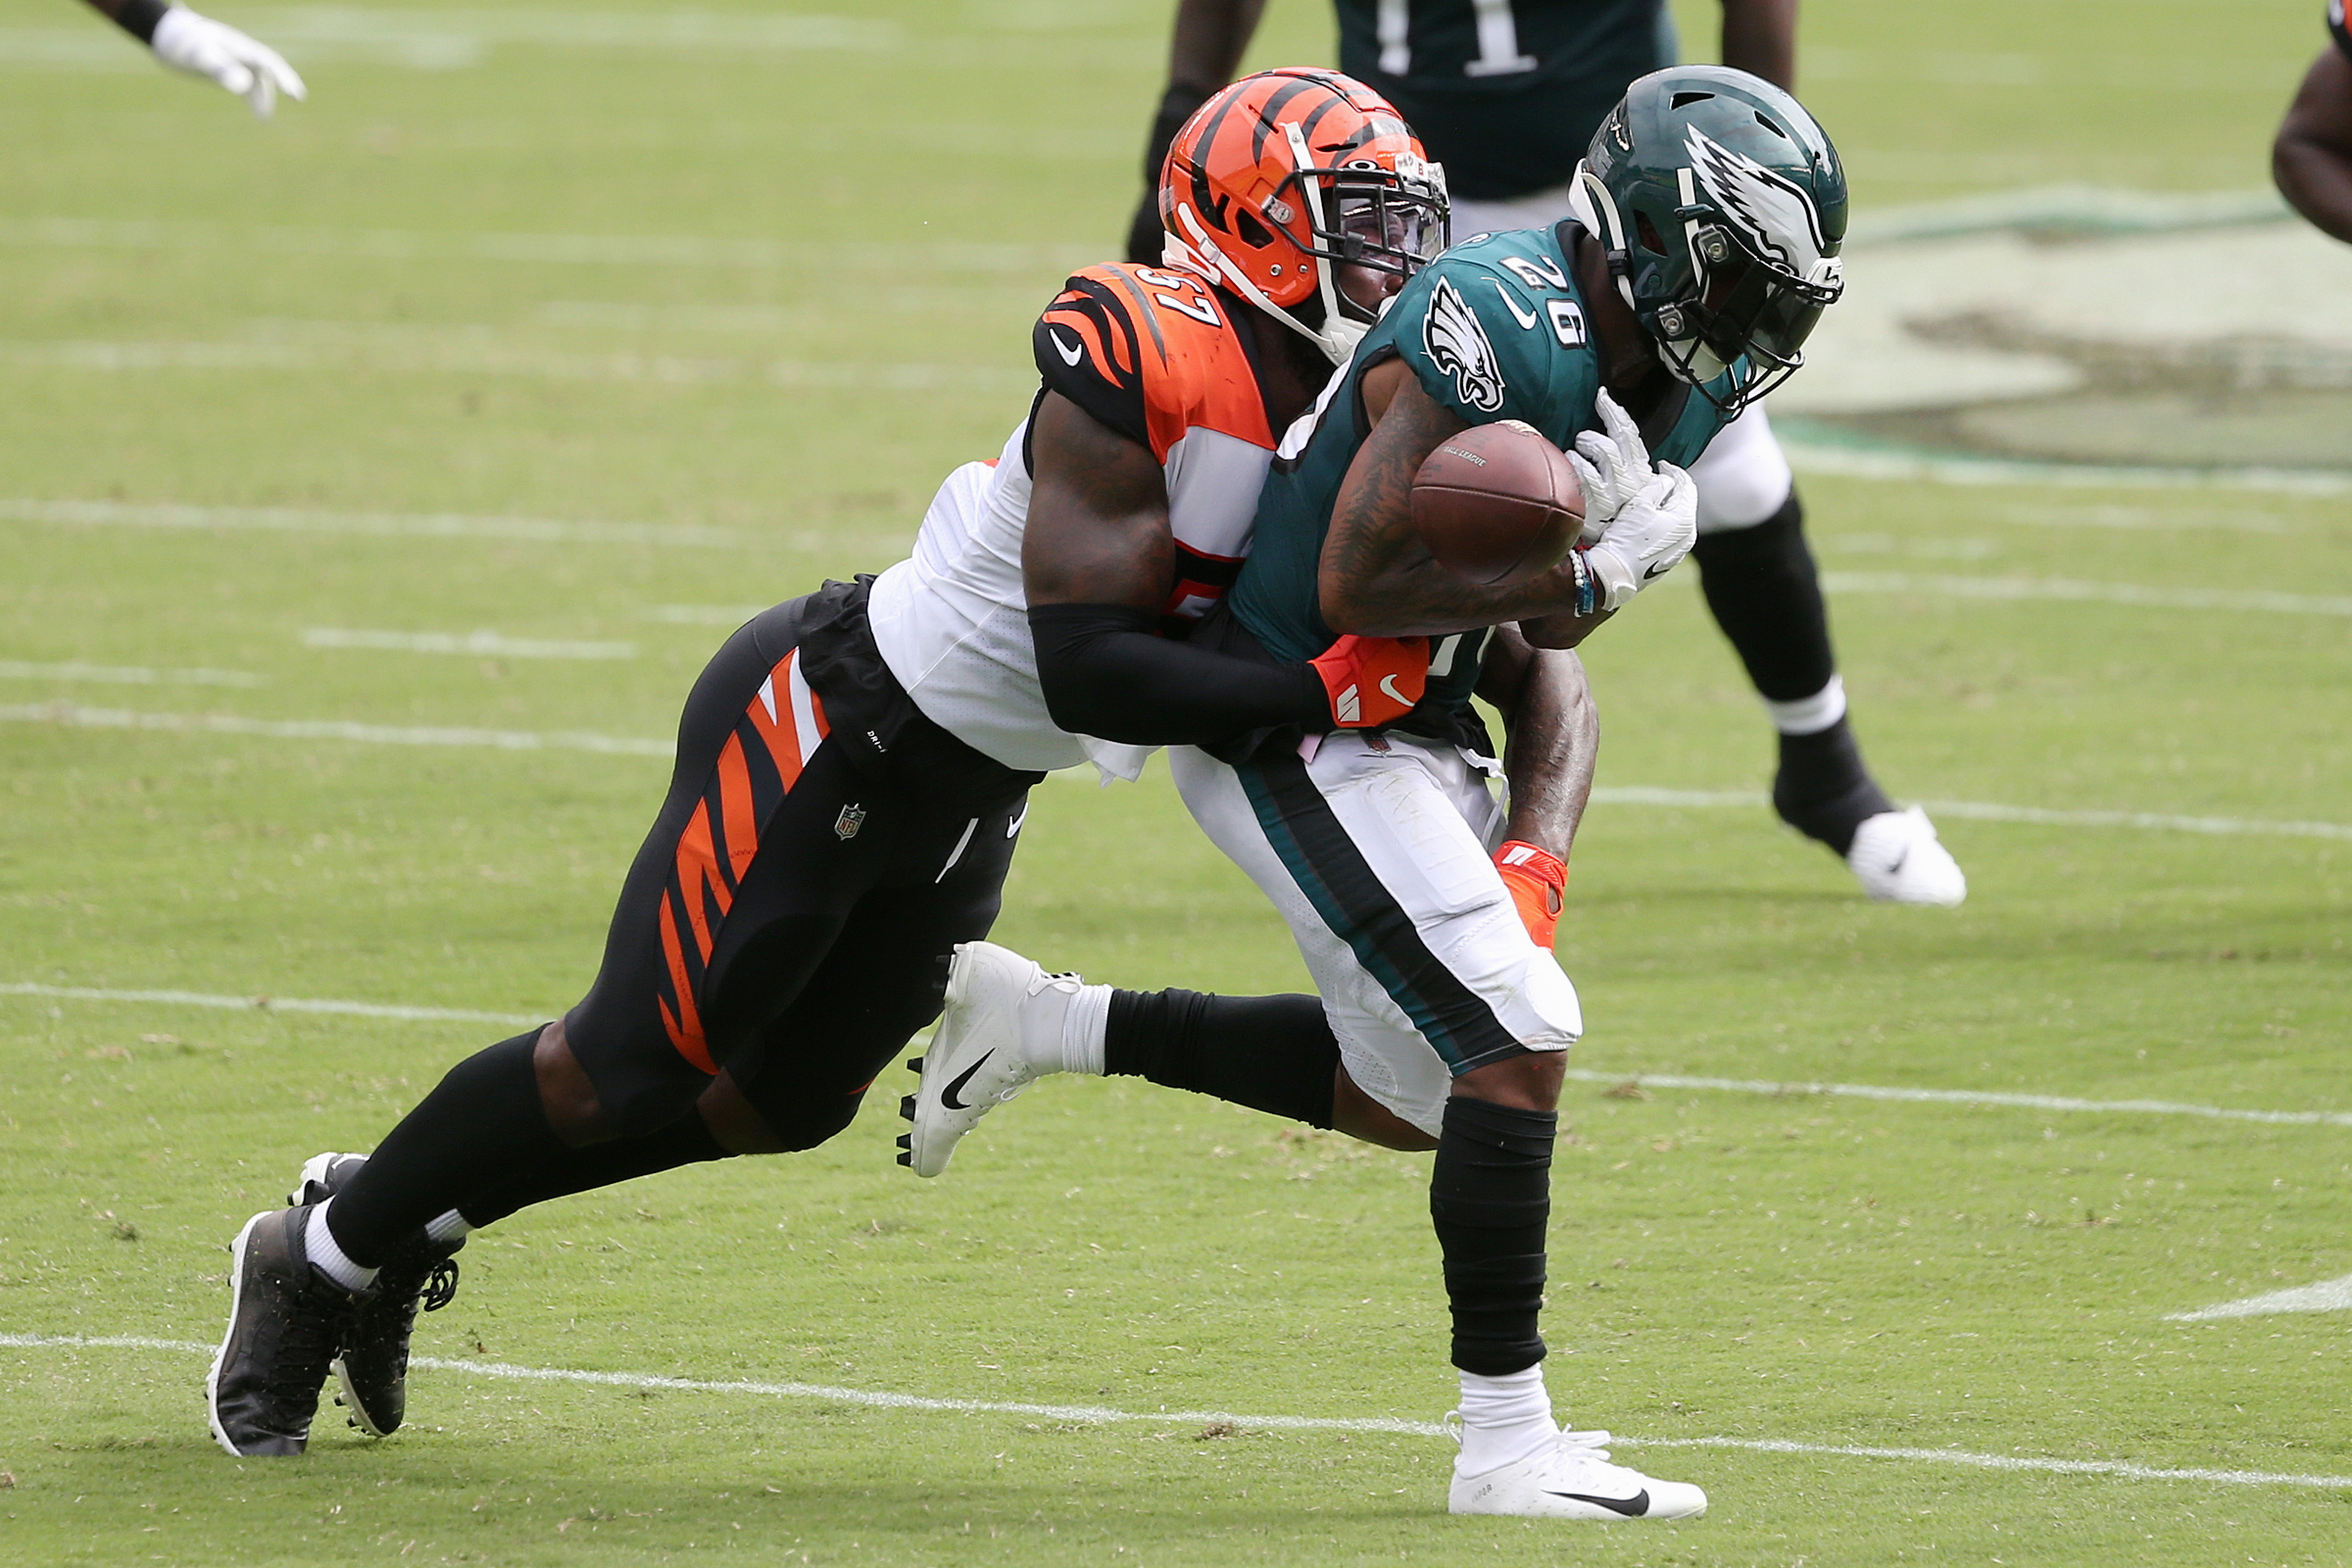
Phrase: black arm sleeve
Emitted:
{"points": [[1107, 674]]}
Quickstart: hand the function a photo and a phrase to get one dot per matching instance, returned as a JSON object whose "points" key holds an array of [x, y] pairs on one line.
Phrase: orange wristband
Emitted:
{"points": [[1539, 883]]}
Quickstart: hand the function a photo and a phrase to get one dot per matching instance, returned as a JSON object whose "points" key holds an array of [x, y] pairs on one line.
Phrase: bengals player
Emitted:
{"points": [[2312, 158], [852, 765]]}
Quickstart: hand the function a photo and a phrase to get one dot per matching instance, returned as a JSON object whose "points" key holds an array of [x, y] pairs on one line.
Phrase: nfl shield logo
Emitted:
{"points": [[850, 819]]}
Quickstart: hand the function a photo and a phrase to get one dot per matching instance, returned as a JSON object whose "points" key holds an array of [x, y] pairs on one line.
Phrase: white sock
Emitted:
{"points": [[1503, 1419], [450, 1227], [327, 1257], [1084, 1027], [1809, 715]]}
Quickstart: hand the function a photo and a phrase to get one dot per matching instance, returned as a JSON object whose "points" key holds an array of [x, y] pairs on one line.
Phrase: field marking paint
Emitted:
{"points": [[2257, 601], [73, 716], [1856, 461], [125, 675], [488, 642], [380, 524], [2328, 1296], [1987, 812], [1590, 1075], [853, 258], [408, 353], [1967, 1097], [1100, 1415], [206, 999]]}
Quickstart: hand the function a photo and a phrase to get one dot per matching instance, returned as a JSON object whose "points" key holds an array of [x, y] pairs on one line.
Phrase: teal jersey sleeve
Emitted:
{"points": [[1495, 329]]}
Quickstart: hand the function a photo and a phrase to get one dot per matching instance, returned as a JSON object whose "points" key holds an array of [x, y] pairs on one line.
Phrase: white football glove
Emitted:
{"points": [[1650, 534], [1613, 464], [246, 67]]}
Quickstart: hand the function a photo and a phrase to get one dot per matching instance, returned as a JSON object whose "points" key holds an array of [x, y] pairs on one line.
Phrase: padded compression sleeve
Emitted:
{"points": [[1106, 672]]}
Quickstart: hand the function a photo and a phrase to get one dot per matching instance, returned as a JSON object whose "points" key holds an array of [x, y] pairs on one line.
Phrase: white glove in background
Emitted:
{"points": [[1612, 463], [1649, 536], [246, 67]]}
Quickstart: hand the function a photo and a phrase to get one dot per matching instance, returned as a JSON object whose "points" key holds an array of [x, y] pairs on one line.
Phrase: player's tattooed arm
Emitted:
{"points": [[1376, 577], [1097, 531], [1552, 737], [2312, 159]]}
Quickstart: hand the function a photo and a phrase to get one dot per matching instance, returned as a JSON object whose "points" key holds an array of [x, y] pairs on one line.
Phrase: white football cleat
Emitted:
{"points": [[1900, 861], [992, 1042], [1573, 1479]]}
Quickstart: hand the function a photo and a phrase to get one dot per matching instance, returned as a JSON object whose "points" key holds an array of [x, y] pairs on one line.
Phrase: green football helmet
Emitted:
{"points": [[1722, 207]]}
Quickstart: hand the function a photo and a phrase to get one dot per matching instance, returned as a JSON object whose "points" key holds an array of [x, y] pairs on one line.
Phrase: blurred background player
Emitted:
{"points": [[1507, 94], [201, 47], [2312, 159]]}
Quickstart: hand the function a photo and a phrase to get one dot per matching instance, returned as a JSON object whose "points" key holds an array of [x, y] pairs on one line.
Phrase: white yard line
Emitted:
{"points": [[1960, 468], [2256, 601], [1746, 1086], [261, 1004], [480, 643], [2328, 1296], [73, 716], [1097, 1414], [381, 524], [125, 675], [1986, 811], [1966, 1096]]}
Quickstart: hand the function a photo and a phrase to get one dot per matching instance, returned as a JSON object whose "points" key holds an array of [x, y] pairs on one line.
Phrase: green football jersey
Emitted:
{"points": [[1495, 329], [1505, 93]]}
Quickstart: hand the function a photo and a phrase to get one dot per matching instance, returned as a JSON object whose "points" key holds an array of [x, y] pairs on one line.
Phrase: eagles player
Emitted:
{"points": [[1508, 93], [201, 47], [1710, 210], [2312, 158], [852, 768]]}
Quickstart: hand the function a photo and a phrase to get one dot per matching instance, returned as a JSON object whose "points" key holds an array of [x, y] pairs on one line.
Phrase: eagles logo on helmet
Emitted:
{"points": [[1285, 177], [1722, 207]]}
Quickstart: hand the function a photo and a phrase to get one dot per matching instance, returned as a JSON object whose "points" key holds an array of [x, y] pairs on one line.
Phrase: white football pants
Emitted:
{"points": [[1743, 477], [1377, 851]]}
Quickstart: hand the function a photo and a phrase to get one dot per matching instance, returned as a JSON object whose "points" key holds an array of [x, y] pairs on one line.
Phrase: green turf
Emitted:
{"points": [[323, 325]]}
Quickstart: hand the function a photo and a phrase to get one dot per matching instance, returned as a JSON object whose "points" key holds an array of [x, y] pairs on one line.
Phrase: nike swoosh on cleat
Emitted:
{"points": [[947, 1096], [1632, 1508], [1657, 569]]}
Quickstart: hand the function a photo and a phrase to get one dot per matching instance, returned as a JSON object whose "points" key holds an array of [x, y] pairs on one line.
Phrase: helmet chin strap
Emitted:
{"points": [[1591, 205], [1201, 253]]}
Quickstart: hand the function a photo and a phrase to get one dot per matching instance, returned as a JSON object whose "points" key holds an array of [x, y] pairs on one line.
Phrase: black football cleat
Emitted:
{"points": [[286, 1321], [371, 1365]]}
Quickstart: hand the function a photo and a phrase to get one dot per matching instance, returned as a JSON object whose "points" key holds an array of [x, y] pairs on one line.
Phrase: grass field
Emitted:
{"points": [[598, 327]]}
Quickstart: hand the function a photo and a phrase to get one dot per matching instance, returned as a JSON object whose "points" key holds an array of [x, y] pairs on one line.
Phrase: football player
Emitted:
{"points": [[2312, 159], [1506, 93], [853, 767], [1710, 210], [201, 47]]}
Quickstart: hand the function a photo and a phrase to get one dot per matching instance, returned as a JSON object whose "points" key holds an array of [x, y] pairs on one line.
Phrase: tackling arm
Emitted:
{"points": [[1204, 53], [1377, 578], [2312, 159], [1760, 36], [1097, 558], [1554, 739]]}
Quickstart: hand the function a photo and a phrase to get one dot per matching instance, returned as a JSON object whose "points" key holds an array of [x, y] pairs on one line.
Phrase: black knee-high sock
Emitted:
{"points": [[684, 1142], [1765, 592], [1490, 1197], [1272, 1053], [482, 1122]]}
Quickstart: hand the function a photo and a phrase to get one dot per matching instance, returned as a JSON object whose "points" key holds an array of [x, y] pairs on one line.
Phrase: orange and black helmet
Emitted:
{"points": [[1288, 174]]}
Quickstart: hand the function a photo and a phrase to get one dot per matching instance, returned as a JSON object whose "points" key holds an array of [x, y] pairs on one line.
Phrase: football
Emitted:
{"points": [[1498, 504]]}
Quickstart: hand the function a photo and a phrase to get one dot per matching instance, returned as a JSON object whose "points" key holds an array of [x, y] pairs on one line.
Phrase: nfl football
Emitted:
{"points": [[1498, 504]]}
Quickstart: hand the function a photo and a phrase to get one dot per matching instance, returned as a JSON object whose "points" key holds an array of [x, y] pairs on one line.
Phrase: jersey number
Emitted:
{"points": [[1497, 39], [1195, 303]]}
